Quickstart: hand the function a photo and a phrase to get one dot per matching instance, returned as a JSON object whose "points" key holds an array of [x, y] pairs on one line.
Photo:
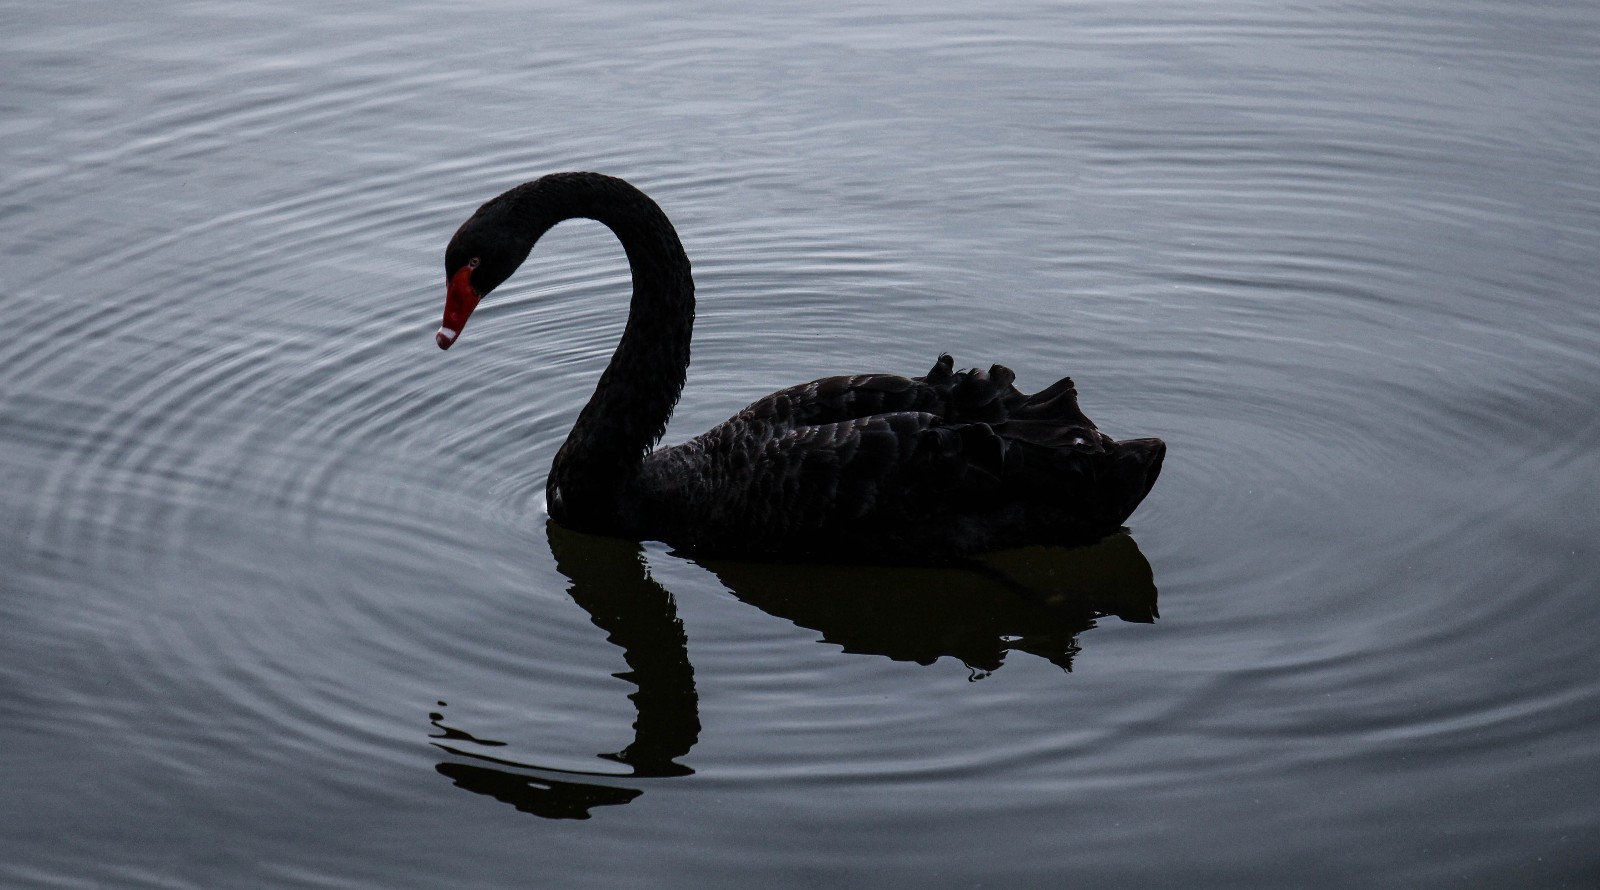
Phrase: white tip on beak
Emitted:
{"points": [[445, 337]]}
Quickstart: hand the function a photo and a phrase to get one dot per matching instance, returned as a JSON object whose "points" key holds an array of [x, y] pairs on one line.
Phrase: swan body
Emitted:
{"points": [[868, 467]]}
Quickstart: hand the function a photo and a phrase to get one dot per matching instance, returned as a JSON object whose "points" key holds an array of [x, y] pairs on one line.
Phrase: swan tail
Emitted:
{"points": [[987, 448], [1095, 490]]}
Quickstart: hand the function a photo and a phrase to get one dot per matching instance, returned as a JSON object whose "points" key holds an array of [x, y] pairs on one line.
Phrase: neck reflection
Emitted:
{"points": [[609, 580]]}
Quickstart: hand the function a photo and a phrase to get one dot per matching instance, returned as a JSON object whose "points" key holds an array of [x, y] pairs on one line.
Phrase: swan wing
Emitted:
{"points": [[954, 396]]}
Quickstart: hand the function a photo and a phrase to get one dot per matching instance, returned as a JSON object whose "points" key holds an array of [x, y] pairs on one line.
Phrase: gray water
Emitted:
{"points": [[279, 606]]}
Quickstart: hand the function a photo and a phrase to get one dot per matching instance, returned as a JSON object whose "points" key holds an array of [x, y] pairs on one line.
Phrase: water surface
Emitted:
{"points": [[280, 606]]}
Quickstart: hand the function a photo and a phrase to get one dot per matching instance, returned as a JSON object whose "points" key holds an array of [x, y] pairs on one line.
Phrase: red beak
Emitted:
{"points": [[459, 302]]}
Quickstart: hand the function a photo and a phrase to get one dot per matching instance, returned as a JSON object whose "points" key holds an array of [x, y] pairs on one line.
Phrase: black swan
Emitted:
{"points": [[869, 467]]}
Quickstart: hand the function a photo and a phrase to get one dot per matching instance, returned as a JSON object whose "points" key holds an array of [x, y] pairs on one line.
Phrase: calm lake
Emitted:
{"points": [[280, 605]]}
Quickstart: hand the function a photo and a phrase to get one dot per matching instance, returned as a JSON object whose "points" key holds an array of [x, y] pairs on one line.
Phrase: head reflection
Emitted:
{"points": [[1035, 601]]}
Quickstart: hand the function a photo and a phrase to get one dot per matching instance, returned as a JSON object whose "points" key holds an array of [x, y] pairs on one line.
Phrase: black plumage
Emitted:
{"points": [[865, 467]]}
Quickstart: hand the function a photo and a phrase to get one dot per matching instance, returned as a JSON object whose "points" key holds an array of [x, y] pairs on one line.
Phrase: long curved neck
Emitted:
{"points": [[633, 401]]}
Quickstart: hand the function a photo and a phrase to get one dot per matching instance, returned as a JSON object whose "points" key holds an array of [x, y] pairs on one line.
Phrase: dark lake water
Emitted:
{"points": [[279, 606]]}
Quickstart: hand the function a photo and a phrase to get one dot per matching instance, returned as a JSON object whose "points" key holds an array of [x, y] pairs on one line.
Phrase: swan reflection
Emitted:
{"points": [[1035, 600]]}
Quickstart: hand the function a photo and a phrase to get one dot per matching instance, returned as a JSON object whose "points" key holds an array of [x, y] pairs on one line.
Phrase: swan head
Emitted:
{"points": [[484, 252]]}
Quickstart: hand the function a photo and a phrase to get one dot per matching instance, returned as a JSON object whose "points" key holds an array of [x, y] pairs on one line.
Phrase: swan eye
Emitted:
{"points": [[472, 263]]}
